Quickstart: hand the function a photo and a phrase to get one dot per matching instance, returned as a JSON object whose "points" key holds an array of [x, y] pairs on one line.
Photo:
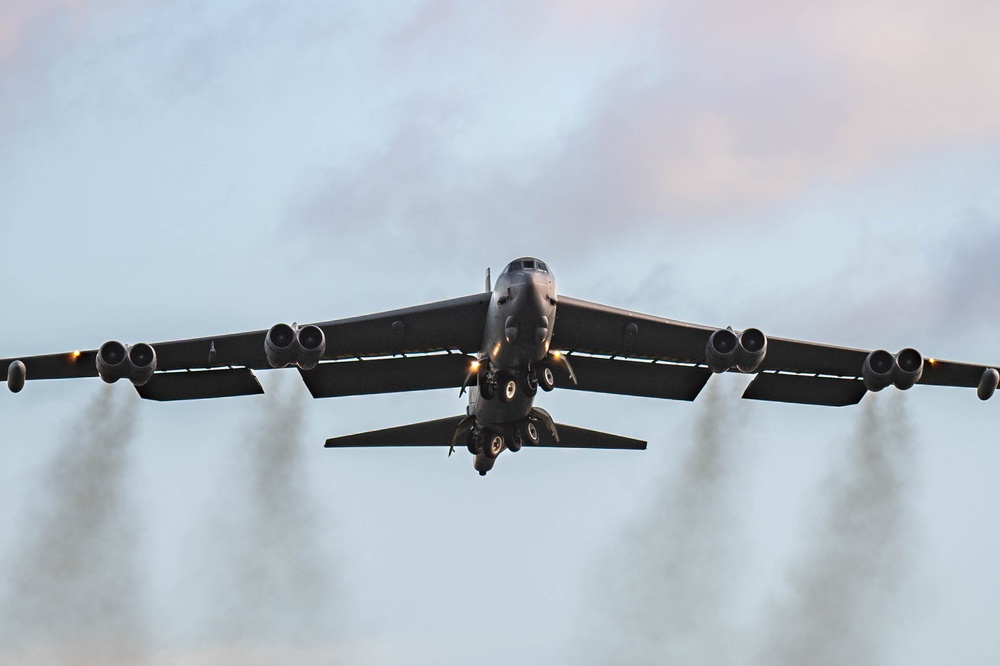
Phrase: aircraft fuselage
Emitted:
{"points": [[516, 342]]}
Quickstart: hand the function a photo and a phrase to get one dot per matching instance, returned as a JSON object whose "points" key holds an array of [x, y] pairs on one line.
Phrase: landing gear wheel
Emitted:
{"points": [[515, 439], [487, 386], [493, 447], [530, 383], [474, 442], [531, 432], [547, 379], [508, 388]]}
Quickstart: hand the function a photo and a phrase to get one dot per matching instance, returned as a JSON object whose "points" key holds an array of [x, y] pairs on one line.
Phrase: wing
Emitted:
{"points": [[657, 357], [222, 365]]}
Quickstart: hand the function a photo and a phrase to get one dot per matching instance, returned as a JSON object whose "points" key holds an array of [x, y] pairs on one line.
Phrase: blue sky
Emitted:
{"points": [[170, 169]]}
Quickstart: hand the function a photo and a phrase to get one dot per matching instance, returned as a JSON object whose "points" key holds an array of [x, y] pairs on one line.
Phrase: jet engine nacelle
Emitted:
{"points": [[16, 374], [287, 345], [877, 370], [987, 384], [907, 369], [720, 353], [752, 349], [726, 350], [134, 362]]}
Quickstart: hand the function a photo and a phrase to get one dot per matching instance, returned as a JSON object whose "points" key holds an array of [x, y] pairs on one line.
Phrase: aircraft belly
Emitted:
{"points": [[497, 413]]}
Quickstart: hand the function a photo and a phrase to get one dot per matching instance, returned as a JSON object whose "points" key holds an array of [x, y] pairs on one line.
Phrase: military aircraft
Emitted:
{"points": [[500, 346]]}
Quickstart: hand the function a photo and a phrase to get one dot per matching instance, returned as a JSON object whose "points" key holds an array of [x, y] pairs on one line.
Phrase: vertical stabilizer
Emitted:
{"points": [[488, 287]]}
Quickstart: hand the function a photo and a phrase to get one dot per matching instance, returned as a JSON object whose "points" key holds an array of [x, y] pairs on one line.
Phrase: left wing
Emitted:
{"points": [[791, 370], [222, 365]]}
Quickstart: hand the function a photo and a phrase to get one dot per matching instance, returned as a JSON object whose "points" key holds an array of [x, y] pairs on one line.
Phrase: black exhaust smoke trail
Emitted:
{"points": [[72, 594], [842, 591], [678, 558], [279, 592]]}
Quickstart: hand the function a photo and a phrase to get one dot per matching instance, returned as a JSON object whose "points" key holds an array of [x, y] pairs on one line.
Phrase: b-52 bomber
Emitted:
{"points": [[500, 346]]}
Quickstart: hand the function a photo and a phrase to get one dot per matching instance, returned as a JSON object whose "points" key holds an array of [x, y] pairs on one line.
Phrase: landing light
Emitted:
{"points": [[931, 361], [75, 355], [475, 366], [556, 355]]}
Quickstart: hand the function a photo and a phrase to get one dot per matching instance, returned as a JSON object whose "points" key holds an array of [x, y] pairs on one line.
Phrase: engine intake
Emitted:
{"points": [[720, 352], [141, 363], [135, 362], [753, 348], [907, 369], [877, 370], [312, 344], [291, 345]]}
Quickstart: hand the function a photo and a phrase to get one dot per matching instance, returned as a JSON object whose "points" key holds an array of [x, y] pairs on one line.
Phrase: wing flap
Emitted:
{"points": [[231, 382], [645, 379], [805, 389], [388, 375]]}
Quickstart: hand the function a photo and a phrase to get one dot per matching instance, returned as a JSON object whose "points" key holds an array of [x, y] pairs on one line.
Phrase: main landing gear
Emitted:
{"points": [[486, 444], [503, 385]]}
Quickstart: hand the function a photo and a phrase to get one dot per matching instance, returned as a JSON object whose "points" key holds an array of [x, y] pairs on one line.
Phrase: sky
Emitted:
{"points": [[173, 169]]}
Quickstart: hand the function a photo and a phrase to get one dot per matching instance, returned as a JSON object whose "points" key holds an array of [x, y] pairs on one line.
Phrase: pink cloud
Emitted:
{"points": [[24, 24], [732, 109]]}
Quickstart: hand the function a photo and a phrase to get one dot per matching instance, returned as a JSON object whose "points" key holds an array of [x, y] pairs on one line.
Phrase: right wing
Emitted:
{"points": [[454, 325], [657, 357]]}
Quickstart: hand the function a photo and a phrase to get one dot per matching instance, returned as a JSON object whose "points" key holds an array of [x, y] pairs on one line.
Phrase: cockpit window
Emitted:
{"points": [[526, 265]]}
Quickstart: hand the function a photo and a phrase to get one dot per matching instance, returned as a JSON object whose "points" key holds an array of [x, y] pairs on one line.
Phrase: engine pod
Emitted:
{"points": [[311, 344], [141, 363], [16, 374], [280, 346], [987, 384], [907, 368], [752, 349], [720, 352], [877, 370], [112, 361]]}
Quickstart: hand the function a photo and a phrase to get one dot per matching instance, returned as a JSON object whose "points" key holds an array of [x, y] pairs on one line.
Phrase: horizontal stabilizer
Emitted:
{"points": [[166, 386], [428, 433], [805, 389], [442, 431], [571, 437]]}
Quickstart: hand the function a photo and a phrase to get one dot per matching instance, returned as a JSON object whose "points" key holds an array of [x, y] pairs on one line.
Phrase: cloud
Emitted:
{"points": [[24, 24], [716, 113]]}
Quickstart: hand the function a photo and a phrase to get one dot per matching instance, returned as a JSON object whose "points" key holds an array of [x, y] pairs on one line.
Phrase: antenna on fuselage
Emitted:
{"points": [[488, 287]]}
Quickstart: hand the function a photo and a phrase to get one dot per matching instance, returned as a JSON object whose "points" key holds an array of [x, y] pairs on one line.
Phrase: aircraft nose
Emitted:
{"points": [[533, 291]]}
